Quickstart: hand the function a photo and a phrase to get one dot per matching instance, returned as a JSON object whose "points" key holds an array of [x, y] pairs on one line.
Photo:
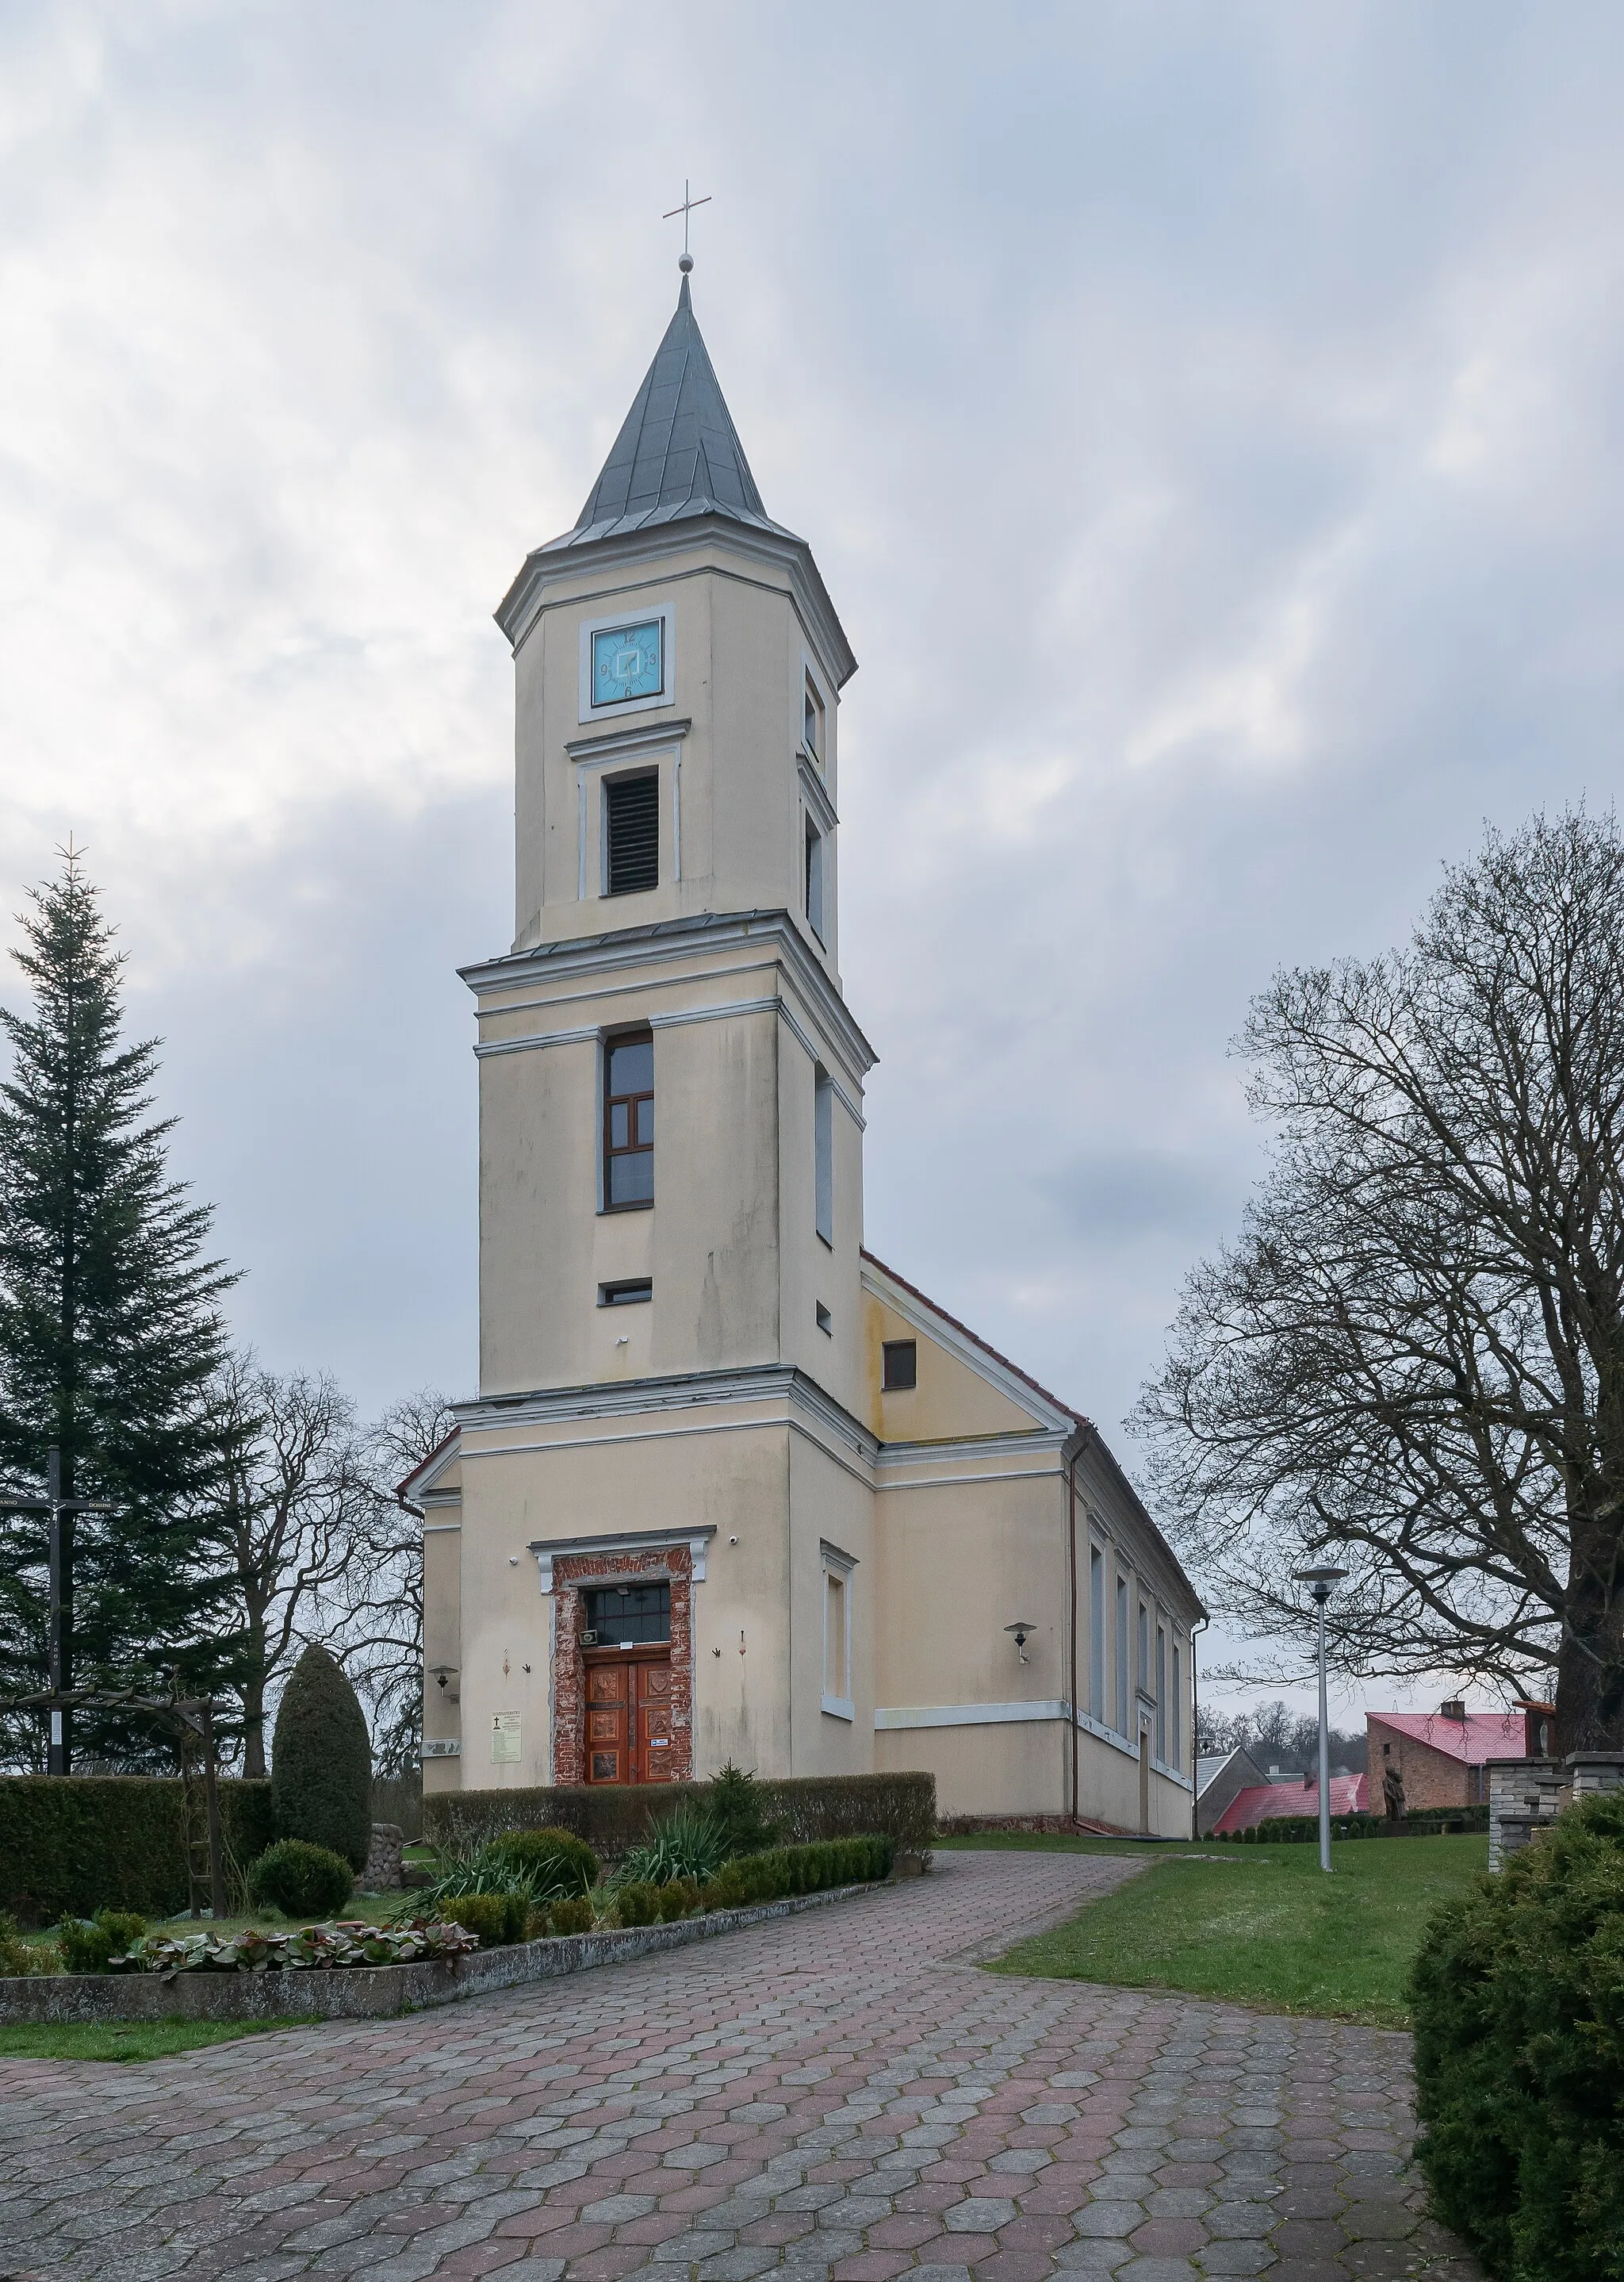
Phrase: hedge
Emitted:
{"points": [[79, 1843], [1518, 1997], [611, 1817], [1289, 1829]]}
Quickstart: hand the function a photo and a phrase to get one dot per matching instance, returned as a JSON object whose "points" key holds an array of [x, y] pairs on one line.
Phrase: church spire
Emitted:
{"points": [[678, 454]]}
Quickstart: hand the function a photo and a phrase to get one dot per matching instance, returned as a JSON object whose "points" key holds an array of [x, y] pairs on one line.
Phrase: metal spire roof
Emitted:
{"points": [[678, 452]]}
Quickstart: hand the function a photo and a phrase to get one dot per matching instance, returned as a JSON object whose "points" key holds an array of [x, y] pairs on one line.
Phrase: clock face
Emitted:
{"points": [[626, 663]]}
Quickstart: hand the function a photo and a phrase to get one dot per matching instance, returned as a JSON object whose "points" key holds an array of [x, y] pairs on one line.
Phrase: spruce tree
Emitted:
{"points": [[110, 1330]]}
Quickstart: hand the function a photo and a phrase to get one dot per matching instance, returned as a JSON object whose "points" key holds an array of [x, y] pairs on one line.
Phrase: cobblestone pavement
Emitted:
{"points": [[835, 2097]]}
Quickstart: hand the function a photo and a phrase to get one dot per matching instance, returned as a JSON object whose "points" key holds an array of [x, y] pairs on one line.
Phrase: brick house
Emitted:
{"points": [[1441, 1754]]}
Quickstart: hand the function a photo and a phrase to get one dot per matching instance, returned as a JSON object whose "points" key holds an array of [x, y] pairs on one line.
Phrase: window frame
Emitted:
{"points": [[1123, 1673], [609, 1151], [1096, 1634], [815, 880], [839, 1568], [812, 704], [620, 708], [887, 1348], [823, 1155]]}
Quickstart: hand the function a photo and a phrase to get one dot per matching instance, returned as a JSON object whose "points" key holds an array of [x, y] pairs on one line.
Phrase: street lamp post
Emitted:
{"points": [[59, 1511], [1320, 1582]]}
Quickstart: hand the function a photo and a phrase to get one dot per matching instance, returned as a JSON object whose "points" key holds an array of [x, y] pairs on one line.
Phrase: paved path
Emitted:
{"points": [[837, 2097]]}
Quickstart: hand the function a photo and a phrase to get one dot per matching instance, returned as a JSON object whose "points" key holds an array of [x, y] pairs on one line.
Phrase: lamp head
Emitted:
{"points": [[1319, 1582]]}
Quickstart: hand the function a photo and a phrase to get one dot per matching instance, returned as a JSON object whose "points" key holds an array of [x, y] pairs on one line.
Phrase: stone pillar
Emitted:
{"points": [[1524, 1795], [1591, 1772], [381, 1874]]}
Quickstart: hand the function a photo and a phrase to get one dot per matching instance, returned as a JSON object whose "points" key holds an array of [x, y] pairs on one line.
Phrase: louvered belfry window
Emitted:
{"points": [[631, 821]]}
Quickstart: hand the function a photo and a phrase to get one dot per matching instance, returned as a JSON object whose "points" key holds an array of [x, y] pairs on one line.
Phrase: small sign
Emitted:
{"points": [[441, 1746], [505, 1739]]}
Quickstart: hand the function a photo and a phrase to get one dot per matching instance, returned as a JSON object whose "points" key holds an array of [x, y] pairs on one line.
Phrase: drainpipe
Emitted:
{"points": [[1071, 1579]]}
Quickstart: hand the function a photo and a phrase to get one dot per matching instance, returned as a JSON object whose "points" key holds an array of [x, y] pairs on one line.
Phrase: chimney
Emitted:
{"points": [[1453, 1709]]}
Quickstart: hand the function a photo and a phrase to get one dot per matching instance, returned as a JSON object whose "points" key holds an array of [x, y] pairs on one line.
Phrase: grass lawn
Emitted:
{"points": [[122, 2040], [1263, 1925]]}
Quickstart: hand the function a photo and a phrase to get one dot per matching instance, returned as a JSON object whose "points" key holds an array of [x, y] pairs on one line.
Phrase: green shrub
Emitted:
{"points": [[554, 1861], [612, 1817], [678, 1897], [573, 1916], [71, 1846], [1517, 1995], [490, 1917], [20, 1959], [92, 1945], [637, 1904], [300, 1880], [789, 1870], [322, 1761]]}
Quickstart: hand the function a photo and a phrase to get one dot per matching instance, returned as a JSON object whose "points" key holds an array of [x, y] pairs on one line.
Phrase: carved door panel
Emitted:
{"points": [[608, 1723], [654, 1721]]}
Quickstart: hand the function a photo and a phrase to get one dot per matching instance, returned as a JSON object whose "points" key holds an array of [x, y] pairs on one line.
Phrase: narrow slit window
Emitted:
{"points": [[823, 1151], [826, 1321], [627, 1295], [632, 834], [1161, 1694], [835, 1682], [1096, 1633], [812, 729], [815, 880], [899, 1360], [1175, 1708], [1122, 1656], [629, 1122]]}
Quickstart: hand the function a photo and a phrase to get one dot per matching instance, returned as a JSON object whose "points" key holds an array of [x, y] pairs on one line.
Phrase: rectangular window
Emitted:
{"points": [[631, 834], [626, 1615], [1175, 1709], [823, 1153], [812, 722], [899, 1365], [1142, 1673], [826, 1321], [628, 661], [628, 1121], [815, 880], [627, 1295], [1096, 1633], [1122, 1656], [1161, 1694], [837, 1693]]}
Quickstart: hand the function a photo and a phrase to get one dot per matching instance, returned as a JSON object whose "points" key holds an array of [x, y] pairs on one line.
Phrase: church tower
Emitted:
{"points": [[730, 1488]]}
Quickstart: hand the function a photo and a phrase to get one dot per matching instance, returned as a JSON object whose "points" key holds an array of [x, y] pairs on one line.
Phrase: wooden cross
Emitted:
{"points": [[685, 209]]}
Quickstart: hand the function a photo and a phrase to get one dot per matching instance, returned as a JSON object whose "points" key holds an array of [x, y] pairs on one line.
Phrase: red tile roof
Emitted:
{"points": [[1480, 1735], [1268, 1802]]}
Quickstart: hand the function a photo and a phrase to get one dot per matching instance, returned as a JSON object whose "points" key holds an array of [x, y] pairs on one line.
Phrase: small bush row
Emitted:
{"points": [[612, 1818], [1299, 1829], [1518, 1997]]}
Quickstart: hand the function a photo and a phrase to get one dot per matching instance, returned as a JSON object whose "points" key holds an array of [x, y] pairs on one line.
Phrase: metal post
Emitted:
{"points": [[59, 1532], [1325, 1754]]}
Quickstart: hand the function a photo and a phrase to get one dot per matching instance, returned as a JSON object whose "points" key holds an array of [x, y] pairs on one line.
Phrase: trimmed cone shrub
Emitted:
{"points": [[1519, 2002], [554, 1861], [300, 1880], [322, 1761]]}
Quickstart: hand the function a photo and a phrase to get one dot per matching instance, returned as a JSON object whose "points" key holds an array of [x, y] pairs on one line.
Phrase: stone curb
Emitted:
{"points": [[367, 1992]]}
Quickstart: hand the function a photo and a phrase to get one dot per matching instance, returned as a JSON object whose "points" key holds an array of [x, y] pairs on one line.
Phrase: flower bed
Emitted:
{"points": [[319, 1947]]}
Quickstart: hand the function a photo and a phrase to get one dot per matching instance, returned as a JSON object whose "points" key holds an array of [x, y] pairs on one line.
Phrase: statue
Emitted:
{"points": [[1393, 1792]]}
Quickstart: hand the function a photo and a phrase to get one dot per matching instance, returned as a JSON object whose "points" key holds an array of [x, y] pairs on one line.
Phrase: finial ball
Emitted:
{"points": [[685, 263]]}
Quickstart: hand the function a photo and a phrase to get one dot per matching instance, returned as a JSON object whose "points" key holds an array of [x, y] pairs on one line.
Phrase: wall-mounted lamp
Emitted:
{"points": [[441, 1673], [1021, 1629]]}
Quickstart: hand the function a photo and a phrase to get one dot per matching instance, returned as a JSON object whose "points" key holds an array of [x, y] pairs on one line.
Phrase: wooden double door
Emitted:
{"points": [[629, 1716]]}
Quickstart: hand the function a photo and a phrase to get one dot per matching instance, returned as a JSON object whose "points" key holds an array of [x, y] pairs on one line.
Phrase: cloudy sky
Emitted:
{"points": [[1207, 420]]}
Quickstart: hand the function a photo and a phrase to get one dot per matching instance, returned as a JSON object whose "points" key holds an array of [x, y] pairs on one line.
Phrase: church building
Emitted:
{"points": [[731, 1488]]}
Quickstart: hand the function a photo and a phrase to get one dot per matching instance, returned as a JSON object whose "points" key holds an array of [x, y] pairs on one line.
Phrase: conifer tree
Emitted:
{"points": [[110, 1330]]}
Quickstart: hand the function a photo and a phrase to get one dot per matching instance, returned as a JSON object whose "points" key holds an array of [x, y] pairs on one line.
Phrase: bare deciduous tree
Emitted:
{"points": [[383, 1589], [295, 1497], [1412, 1360]]}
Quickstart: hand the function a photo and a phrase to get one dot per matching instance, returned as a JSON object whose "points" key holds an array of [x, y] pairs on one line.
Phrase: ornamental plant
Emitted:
{"points": [[322, 1761], [101, 1944], [1517, 1995], [553, 1861], [686, 1844], [300, 1880]]}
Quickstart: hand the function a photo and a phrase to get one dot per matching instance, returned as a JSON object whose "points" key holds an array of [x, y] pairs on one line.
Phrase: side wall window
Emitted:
{"points": [[1096, 1633], [1161, 1694], [837, 1632], [1175, 1711], [1122, 1656], [628, 1121], [815, 880], [823, 1150]]}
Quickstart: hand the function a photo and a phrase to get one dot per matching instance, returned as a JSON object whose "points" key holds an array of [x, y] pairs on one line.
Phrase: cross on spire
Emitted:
{"points": [[685, 209]]}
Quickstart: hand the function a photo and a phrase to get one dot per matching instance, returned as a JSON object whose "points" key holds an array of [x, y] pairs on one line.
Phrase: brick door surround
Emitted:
{"points": [[572, 1574]]}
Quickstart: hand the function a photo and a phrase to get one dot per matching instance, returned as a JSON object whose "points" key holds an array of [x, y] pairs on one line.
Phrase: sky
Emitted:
{"points": [[1207, 419]]}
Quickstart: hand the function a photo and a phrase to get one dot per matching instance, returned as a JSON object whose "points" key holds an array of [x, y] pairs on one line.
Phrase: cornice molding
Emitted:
{"points": [[783, 1385], [549, 1549]]}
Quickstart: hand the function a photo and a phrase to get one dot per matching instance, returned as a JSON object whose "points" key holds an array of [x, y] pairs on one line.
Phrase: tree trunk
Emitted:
{"points": [[253, 1729], [1590, 1664]]}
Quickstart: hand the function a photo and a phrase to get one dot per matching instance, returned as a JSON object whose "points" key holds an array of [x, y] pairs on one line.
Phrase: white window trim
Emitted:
{"points": [[813, 673], [833, 1562], [633, 616]]}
